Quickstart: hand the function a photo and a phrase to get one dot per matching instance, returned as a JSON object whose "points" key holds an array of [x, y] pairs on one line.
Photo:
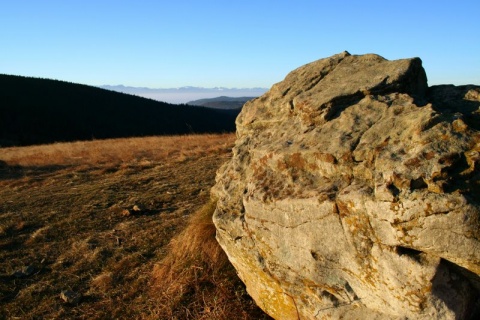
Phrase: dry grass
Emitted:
{"points": [[97, 217], [196, 280], [116, 151]]}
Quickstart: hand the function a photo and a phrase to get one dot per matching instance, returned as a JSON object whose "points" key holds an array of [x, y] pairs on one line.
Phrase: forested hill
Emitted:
{"points": [[36, 111], [227, 103]]}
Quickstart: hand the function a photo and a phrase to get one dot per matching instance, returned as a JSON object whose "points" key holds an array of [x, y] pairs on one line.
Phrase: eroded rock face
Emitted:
{"points": [[353, 192]]}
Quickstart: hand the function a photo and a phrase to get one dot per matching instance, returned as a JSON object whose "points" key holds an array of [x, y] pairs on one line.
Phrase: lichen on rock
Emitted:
{"points": [[353, 193]]}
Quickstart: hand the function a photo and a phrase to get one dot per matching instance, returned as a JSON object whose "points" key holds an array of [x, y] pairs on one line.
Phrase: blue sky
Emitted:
{"points": [[164, 44]]}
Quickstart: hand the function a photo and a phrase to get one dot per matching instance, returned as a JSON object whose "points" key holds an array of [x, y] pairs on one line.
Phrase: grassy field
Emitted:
{"points": [[115, 229]]}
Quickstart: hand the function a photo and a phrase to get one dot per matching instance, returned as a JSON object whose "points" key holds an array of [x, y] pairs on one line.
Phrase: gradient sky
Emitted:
{"points": [[228, 43]]}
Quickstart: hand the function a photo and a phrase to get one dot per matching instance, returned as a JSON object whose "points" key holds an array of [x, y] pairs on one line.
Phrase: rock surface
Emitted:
{"points": [[353, 193], [70, 297]]}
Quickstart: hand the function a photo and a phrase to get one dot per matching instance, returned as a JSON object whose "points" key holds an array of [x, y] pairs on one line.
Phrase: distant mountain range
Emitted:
{"points": [[186, 94], [37, 111], [226, 103]]}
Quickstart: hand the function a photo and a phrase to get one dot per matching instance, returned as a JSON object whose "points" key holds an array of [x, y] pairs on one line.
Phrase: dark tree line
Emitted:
{"points": [[37, 111]]}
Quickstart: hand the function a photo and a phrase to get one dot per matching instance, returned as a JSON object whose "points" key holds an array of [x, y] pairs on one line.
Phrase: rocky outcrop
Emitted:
{"points": [[353, 193]]}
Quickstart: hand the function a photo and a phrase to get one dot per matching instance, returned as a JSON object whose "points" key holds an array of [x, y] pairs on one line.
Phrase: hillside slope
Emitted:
{"points": [[223, 102], [37, 111]]}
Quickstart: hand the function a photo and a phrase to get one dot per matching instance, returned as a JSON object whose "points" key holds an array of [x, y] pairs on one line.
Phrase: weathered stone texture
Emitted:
{"points": [[353, 193]]}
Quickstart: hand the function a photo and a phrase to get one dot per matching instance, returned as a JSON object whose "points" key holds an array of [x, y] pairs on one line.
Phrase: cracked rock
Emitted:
{"points": [[353, 193]]}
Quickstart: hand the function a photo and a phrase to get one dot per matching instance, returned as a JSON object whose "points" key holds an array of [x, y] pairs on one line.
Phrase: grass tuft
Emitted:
{"points": [[196, 281]]}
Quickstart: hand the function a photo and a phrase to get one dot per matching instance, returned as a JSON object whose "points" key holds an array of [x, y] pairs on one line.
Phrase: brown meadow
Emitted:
{"points": [[125, 224]]}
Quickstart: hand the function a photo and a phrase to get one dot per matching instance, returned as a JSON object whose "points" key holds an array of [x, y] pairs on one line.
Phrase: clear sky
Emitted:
{"points": [[230, 43]]}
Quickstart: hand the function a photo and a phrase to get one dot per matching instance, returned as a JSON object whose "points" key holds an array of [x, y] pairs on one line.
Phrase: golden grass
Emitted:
{"points": [[195, 280], [115, 151], [62, 216]]}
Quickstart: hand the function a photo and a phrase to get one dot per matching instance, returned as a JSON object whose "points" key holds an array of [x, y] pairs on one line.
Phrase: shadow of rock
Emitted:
{"points": [[461, 101], [449, 284]]}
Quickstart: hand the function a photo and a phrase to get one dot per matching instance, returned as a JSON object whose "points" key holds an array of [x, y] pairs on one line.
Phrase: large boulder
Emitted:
{"points": [[353, 193]]}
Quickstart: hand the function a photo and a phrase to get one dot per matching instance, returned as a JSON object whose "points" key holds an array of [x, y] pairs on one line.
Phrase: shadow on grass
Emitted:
{"points": [[8, 172]]}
